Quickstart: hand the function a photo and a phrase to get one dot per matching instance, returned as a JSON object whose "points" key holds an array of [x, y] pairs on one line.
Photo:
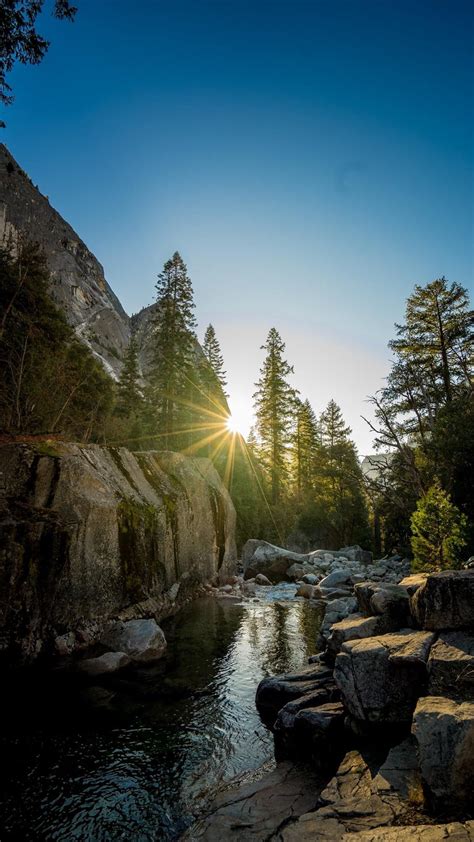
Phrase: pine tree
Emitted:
{"points": [[274, 406], [129, 396], [174, 338], [438, 529], [213, 355], [340, 493], [305, 443]]}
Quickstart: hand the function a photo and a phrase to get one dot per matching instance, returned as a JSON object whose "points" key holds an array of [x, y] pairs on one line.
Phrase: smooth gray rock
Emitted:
{"points": [[451, 666], [381, 677], [105, 664], [336, 579], [444, 730], [445, 601], [262, 580], [262, 557], [142, 640]]}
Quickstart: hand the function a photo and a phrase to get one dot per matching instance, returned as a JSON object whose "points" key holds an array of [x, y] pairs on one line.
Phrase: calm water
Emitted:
{"points": [[126, 759]]}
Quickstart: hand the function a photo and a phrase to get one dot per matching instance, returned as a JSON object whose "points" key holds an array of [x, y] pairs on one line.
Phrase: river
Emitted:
{"points": [[129, 758]]}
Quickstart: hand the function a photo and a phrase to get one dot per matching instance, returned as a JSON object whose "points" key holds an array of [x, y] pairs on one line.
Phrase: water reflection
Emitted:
{"points": [[126, 760]]}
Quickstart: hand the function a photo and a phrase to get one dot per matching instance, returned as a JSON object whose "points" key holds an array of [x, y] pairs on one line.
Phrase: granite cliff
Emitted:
{"points": [[89, 534]]}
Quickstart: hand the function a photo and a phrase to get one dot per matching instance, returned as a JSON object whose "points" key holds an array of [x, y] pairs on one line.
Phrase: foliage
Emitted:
{"points": [[173, 344], [428, 394], [213, 355], [274, 406], [438, 529], [49, 381], [20, 40]]}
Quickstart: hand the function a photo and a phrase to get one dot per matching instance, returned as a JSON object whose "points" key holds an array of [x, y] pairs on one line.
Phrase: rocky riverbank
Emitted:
{"points": [[382, 717]]}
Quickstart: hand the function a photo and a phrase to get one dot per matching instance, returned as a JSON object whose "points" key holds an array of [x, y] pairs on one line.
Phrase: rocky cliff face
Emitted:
{"points": [[90, 533], [77, 278]]}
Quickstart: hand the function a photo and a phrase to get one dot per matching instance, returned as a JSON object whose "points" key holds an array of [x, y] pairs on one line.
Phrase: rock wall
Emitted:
{"points": [[89, 533], [78, 284]]}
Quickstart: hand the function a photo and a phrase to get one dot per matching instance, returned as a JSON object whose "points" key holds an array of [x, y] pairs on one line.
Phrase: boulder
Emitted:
{"points": [[384, 598], [413, 582], [336, 610], [445, 601], [273, 693], [451, 666], [272, 561], [262, 580], [356, 553], [317, 732], [381, 677], [444, 730], [336, 579], [296, 572], [310, 579], [142, 640], [105, 664], [354, 627]]}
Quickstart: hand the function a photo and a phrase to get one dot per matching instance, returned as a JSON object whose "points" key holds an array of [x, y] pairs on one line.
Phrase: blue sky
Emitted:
{"points": [[310, 160]]}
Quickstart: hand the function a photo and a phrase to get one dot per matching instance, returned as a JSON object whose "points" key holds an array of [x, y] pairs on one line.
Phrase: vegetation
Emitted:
{"points": [[297, 480], [425, 413], [49, 381], [437, 531]]}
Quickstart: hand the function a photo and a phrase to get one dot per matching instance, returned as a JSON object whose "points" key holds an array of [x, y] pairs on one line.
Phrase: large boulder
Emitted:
{"points": [[337, 579], [274, 692], [444, 730], [390, 600], [142, 640], [272, 561], [381, 677], [451, 666], [354, 627], [445, 601], [316, 731]]}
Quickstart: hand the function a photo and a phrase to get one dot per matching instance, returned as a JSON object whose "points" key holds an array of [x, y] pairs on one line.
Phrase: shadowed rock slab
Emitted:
{"points": [[105, 664], [451, 666], [142, 640], [353, 802], [381, 678], [445, 601], [315, 731], [256, 810], [444, 731], [273, 693]]}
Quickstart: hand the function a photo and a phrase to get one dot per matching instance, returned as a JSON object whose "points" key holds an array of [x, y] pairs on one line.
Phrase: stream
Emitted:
{"points": [[130, 757]]}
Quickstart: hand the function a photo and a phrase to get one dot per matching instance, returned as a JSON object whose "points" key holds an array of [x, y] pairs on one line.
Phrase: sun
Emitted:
{"points": [[233, 425]]}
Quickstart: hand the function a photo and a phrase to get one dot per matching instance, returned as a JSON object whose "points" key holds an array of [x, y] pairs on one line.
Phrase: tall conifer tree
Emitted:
{"points": [[274, 407], [174, 338]]}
